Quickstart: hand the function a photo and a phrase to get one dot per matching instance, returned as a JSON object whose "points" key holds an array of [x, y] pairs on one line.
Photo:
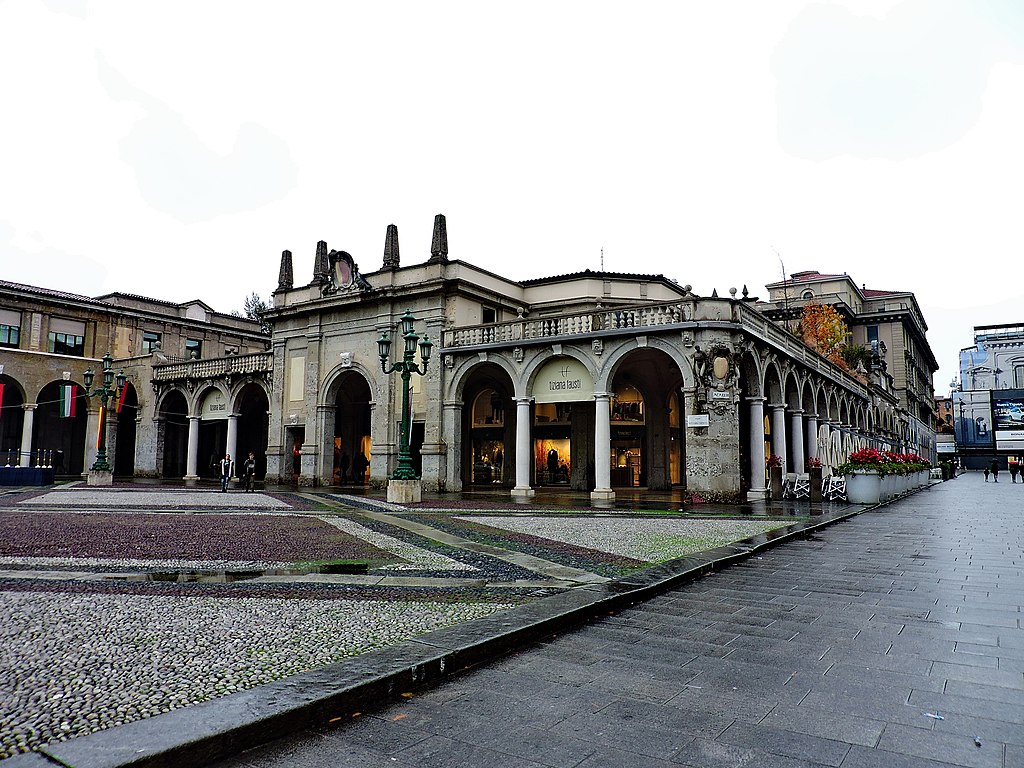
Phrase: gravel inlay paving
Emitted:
{"points": [[110, 564], [417, 557], [74, 497], [174, 536], [646, 539], [72, 664]]}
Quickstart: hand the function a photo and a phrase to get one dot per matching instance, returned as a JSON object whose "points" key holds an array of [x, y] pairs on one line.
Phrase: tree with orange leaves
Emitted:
{"points": [[823, 330]]}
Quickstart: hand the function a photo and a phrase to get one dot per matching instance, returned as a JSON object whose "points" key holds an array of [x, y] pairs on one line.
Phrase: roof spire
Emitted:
{"points": [[439, 245], [285, 280], [391, 248]]}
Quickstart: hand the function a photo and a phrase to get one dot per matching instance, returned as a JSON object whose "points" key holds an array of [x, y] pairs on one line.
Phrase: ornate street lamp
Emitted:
{"points": [[105, 392], [407, 368]]}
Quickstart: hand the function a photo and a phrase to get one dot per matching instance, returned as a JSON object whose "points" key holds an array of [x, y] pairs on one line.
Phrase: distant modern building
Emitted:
{"points": [[49, 338], [988, 409], [890, 324]]}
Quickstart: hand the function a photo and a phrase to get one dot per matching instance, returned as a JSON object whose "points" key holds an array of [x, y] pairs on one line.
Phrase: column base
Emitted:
{"points": [[520, 493], [100, 477], [757, 494], [191, 481], [602, 494], [405, 491]]}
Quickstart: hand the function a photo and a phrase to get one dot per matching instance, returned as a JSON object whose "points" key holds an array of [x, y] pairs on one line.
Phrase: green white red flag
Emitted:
{"points": [[66, 403]]}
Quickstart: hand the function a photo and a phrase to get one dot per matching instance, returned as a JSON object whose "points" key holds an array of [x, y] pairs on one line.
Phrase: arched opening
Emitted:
{"points": [[252, 407], [172, 435], [352, 440], [648, 448], [12, 421], [126, 413], [488, 429], [59, 427], [214, 410]]}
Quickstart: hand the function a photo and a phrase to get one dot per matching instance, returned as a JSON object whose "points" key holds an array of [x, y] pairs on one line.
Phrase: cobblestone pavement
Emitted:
{"points": [[890, 640], [123, 603]]}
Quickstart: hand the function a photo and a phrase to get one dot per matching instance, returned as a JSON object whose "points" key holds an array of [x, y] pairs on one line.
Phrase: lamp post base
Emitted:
{"points": [[100, 477], [404, 491]]}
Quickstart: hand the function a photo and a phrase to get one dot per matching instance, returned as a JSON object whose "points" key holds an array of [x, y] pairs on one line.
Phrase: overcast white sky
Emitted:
{"points": [[175, 149]]}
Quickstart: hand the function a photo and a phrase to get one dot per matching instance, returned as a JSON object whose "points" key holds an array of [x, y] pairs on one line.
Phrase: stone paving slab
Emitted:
{"points": [[863, 697]]}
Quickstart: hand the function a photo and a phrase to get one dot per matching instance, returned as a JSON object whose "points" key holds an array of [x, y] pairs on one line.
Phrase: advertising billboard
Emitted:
{"points": [[1008, 419], [972, 417]]}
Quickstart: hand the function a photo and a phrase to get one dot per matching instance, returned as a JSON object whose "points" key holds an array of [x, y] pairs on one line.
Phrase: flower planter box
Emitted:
{"points": [[815, 476], [863, 487], [775, 475]]}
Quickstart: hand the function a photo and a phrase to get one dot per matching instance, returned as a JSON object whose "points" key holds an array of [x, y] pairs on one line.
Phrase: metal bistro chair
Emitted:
{"points": [[802, 487], [788, 486], [833, 488]]}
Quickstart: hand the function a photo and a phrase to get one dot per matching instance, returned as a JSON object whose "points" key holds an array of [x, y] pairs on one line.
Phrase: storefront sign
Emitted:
{"points": [[563, 380], [215, 406]]}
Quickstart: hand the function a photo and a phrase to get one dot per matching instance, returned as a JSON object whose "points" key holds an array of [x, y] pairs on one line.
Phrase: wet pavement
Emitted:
{"points": [[892, 639]]}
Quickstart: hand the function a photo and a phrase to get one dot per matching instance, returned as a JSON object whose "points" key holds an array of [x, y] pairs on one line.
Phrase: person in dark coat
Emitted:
{"points": [[359, 465], [995, 470]]}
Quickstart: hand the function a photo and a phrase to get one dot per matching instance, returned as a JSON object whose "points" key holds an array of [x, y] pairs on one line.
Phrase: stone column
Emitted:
{"points": [[232, 443], [796, 419], [812, 436], [757, 458], [524, 455], [92, 430], [191, 462], [325, 422], [779, 433], [25, 457], [452, 436], [602, 450]]}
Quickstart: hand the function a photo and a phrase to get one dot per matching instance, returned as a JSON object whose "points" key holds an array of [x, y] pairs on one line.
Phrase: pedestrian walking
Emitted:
{"points": [[1014, 468], [249, 468], [995, 470], [986, 473], [343, 464], [359, 465], [225, 472]]}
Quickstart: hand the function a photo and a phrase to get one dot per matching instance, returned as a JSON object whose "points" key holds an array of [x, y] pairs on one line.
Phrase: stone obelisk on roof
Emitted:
{"points": [[391, 248], [285, 278], [439, 245], [321, 266]]}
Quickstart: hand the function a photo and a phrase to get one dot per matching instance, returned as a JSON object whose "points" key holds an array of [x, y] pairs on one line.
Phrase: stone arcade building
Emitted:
{"points": [[197, 381], [595, 381]]}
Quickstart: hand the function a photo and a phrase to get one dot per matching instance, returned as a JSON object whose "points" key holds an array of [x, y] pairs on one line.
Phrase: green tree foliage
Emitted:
{"points": [[255, 308]]}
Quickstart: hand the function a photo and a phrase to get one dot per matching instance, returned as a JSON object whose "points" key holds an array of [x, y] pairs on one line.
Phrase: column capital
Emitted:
{"points": [[755, 399], [29, 406], [520, 400]]}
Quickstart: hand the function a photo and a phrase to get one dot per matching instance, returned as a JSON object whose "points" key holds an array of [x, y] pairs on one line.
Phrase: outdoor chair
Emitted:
{"points": [[833, 488], [802, 487]]}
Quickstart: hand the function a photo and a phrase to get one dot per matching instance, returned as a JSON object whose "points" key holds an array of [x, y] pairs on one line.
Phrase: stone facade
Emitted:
{"points": [[49, 338], [593, 380]]}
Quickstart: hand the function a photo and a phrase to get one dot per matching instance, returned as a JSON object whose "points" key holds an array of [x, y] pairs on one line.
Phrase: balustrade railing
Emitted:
{"points": [[571, 324], [256, 362]]}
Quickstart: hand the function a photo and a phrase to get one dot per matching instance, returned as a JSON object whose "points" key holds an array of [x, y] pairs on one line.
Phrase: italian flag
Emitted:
{"points": [[66, 404], [120, 398]]}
